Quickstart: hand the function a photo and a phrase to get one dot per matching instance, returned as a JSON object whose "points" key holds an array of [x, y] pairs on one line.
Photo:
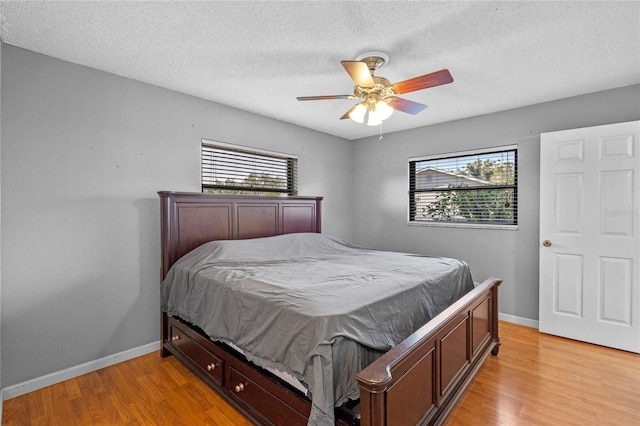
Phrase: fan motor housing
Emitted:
{"points": [[381, 90]]}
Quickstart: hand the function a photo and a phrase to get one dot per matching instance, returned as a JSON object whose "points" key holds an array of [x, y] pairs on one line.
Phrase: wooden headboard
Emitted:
{"points": [[189, 220]]}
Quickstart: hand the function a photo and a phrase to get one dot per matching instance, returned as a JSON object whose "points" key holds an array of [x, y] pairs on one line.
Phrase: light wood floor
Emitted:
{"points": [[536, 379], [539, 379]]}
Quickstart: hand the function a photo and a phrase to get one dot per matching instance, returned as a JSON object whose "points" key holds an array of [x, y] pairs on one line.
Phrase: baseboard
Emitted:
{"points": [[518, 320], [71, 372]]}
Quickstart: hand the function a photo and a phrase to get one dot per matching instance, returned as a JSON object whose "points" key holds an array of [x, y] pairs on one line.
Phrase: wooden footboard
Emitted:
{"points": [[419, 381]]}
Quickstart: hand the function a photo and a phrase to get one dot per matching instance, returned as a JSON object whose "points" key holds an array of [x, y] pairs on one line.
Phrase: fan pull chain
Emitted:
{"points": [[380, 132]]}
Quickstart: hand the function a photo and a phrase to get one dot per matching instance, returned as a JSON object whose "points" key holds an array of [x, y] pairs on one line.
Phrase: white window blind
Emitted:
{"points": [[242, 171], [477, 188]]}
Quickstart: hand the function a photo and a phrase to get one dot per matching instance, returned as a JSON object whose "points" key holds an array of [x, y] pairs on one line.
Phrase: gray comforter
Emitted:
{"points": [[311, 305]]}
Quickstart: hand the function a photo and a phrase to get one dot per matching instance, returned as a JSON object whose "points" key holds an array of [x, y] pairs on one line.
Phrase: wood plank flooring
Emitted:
{"points": [[539, 379], [536, 379], [147, 390]]}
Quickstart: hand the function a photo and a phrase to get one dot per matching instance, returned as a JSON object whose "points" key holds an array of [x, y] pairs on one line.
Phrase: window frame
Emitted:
{"points": [[411, 163], [267, 156]]}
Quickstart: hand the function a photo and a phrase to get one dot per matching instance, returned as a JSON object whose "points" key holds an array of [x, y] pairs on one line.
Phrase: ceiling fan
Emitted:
{"points": [[379, 96]]}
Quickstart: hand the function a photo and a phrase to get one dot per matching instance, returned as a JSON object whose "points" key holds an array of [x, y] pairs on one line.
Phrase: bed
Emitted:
{"points": [[415, 382]]}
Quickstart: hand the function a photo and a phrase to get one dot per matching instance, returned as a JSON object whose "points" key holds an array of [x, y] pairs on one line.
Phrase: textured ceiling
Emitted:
{"points": [[258, 56]]}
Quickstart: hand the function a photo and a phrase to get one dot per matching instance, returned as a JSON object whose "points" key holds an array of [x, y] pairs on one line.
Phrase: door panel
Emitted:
{"points": [[568, 284], [569, 194], [590, 219], [615, 290], [617, 198]]}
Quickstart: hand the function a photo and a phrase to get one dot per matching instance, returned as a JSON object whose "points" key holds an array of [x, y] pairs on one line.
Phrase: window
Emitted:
{"points": [[479, 188], [236, 170]]}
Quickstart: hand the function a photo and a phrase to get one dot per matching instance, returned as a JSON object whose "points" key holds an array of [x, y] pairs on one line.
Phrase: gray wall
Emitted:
{"points": [[83, 154], [1, 396], [380, 196]]}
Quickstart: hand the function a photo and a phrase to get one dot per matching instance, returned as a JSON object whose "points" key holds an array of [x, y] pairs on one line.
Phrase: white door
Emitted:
{"points": [[590, 235]]}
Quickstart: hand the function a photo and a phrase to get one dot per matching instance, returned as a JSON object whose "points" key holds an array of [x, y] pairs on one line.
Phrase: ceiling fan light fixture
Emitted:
{"points": [[383, 110], [358, 113], [374, 118]]}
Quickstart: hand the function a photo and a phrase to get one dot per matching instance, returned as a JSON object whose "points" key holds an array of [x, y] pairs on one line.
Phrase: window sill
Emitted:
{"points": [[463, 225]]}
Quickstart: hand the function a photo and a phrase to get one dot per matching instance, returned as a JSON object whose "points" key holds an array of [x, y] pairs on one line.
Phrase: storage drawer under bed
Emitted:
{"points": [[272, 408], [205, 360], [244, 383]]}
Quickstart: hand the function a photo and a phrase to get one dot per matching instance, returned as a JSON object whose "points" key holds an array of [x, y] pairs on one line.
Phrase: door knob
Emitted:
{"points": [[546, 243]]}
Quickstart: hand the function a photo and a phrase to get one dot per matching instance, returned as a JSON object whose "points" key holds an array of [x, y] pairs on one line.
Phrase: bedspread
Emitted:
{"points": [[311, 305]]}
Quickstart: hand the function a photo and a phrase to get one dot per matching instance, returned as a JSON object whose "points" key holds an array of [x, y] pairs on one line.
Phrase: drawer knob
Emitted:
{"points": [[176, 337], [239, 388], [211, 366]]}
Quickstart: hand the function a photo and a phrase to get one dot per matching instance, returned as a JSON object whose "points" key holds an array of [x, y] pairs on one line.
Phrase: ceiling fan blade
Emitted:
{"points": [[359, 72], [423, 82], [346, 114], [324, 97], [405, 105]]}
